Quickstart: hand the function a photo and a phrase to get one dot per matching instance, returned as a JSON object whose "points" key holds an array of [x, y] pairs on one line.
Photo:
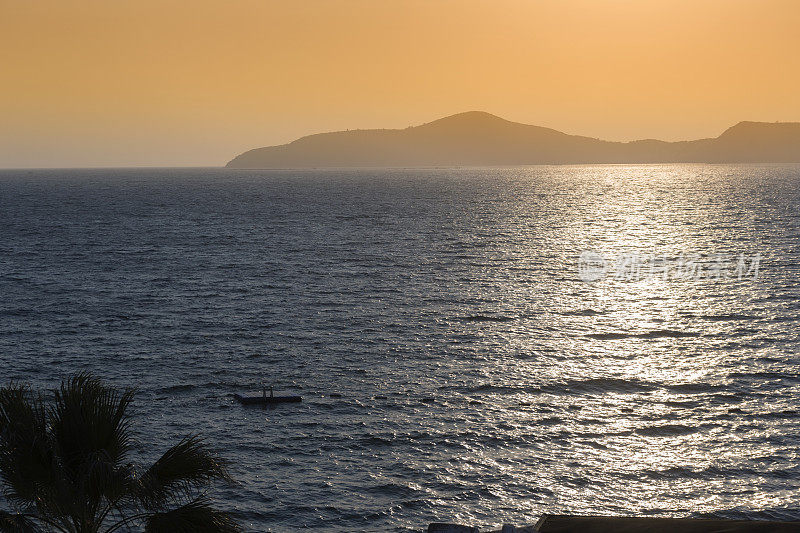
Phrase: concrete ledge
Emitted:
{"points": [[622, 524], [614, 524]]}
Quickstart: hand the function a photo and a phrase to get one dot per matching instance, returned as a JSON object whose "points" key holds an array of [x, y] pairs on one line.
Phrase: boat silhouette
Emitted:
{"points": [[266, 400]]}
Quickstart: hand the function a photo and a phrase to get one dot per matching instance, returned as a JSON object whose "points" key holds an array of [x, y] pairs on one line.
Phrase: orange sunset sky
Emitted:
{"points": [[117, 83]]}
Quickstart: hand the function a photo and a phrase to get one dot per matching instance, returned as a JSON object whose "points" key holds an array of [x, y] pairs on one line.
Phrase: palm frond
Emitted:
{"points": [[196, 516], [65, 465], [26, 453], [89, 422], [16, 523], [102, 480], [187, 466]]}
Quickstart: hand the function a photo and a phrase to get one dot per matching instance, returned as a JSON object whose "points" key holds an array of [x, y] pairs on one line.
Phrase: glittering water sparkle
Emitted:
{"points": [[481, 379]]}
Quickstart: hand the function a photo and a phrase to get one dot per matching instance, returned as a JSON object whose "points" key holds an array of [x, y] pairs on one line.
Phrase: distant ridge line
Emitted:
{"points": [[477, 138]]}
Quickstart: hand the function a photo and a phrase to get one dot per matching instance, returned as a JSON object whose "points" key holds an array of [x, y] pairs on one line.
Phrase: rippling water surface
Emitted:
{"points": [[481, 380]]}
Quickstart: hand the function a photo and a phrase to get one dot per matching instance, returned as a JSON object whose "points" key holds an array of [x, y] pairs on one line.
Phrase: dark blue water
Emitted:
{"points": [[482, 380]]}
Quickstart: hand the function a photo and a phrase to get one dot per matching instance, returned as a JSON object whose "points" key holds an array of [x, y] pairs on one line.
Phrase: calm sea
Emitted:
{"points": [[472, 345]]}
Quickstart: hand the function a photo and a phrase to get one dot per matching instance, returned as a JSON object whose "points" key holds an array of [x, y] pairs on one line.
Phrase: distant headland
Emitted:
{"points": [[476, 138]]}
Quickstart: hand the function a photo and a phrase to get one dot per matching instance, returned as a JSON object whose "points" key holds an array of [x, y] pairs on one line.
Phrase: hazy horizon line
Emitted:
{"points": [[441, 118], [407, 167]]}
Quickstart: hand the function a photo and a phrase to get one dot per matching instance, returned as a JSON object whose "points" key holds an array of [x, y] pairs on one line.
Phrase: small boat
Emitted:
{"points": [[266, 400]]}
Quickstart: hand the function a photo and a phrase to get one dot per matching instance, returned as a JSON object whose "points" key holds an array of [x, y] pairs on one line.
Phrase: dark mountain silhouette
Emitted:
{"points": [[482, 139]]}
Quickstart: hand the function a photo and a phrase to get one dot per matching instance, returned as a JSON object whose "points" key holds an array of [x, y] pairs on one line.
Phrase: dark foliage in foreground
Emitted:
{"points": [[64, 466]]}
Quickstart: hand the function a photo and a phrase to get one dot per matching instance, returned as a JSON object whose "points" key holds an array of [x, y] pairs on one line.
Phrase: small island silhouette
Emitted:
{"points": [[476, 138]]}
